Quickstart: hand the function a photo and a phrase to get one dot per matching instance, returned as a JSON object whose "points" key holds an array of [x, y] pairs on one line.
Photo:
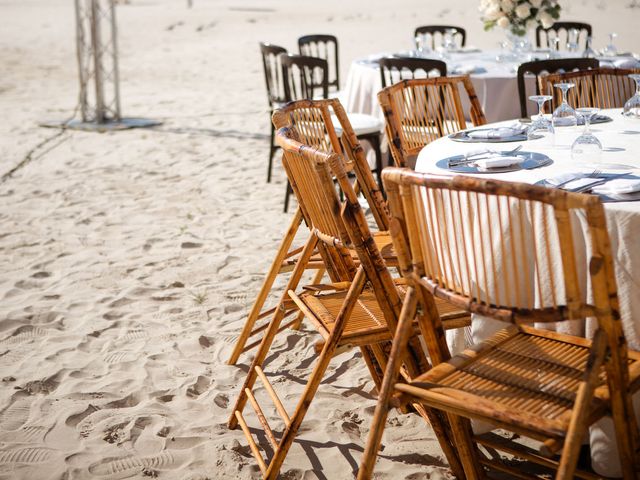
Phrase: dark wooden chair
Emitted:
{"points": [[539, 67], [275, 90], [436, 32], [394, 69], [561, 30], [306, 78], [543, 385], [326, 47]]}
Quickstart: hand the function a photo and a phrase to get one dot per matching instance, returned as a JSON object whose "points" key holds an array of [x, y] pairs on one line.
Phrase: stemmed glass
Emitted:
{"points": [[611, 50], [449, 42], [587, 147], [554, 47], [589, 52], [564, 115], [632, 106], [422, 45], [541, 124], [572, 40]]}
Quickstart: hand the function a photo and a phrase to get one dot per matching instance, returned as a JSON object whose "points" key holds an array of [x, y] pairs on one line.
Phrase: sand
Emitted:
{"points": [[128, 260]]}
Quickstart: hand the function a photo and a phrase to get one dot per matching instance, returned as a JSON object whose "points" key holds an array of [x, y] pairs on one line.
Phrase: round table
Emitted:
{"points": [[494, 82], [621, 141]]}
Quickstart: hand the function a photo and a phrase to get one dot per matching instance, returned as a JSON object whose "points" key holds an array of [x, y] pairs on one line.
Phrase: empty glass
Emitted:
{"points": [[610, 50], [449, 42], [564, 115], [554, 47], [632, 106], [541, 126], [587, 147], [589, 52], [572, 40]]}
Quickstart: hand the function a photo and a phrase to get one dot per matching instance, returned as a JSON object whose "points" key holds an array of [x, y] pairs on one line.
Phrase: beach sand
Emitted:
{"points": [[129, 260]]}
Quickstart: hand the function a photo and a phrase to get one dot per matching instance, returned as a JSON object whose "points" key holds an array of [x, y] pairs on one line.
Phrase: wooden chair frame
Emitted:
{"points": [[408, 194], [557, 27], [332, 235], [598, 87], [315, 128], [275, 90], [323, 46], [413, 65], [547, 66], [432, 30], [421, 110]]}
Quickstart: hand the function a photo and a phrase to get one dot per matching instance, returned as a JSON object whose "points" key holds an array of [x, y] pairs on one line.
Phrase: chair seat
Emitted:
{"points": [[366, 324], [362, 124], [524, 379]]}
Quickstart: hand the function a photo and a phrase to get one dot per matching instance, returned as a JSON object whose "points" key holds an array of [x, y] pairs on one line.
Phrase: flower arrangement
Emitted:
{"points": [[519, 15]]}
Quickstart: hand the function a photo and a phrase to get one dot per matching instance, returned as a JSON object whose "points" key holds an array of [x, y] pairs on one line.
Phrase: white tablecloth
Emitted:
{"points": [[496, 86], [621, 142]]}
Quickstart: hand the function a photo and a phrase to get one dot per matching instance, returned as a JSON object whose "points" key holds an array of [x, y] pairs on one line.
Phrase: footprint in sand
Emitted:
{"points": [[120, 357], [23, 334], [124, 467], [26, 455], [15, 415], [198, 388]]}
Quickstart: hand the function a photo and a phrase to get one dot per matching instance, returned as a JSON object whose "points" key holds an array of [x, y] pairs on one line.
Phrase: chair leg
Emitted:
{"points": [[266, 287], [272, 150], [271, 332]]}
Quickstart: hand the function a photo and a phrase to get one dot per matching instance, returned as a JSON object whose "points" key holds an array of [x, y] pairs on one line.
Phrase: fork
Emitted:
{"points": [[593, 174], [477, 156]]}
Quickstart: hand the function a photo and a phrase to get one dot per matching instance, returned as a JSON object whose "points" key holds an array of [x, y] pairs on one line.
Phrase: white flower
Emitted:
{"points": [[536, 3], [532, 23], [546, 20], [492, 13], [507, 5], [523, 10], [503, 22]]}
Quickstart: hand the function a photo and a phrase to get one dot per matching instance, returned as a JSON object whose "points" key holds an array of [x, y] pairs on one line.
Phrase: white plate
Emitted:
{"points": [[609, 166]]}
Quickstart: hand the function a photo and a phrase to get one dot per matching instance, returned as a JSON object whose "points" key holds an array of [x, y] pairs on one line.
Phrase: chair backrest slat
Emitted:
{"points": [[394, 69], [326, 47], [434, 34], [421, 110], [273, 73], [304, 77], [598, 87], [543, 35]]}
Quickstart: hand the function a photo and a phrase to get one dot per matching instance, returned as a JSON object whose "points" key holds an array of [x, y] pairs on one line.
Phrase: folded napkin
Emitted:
{"points": [[618, 186], [498, 161], [495, 133], [628, 62], [570, 180], [467, 69]]}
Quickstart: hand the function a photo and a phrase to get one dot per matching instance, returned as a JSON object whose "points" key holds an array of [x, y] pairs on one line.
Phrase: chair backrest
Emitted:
{"points": [[434, 31], [323, 46], [543, 35], [538, 67], [599, 87], [314, 123], [337, 226], [419, 111], [304, 77], [273, 73], [394, 69]]}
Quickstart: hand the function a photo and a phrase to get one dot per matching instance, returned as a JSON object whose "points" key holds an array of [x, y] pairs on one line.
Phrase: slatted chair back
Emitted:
{"points": [[434, 34], [314, 123], [561, 29], [539, 67], [304, 77], [599, 87], [419, 111], [394, 69], [323, 46], [273, 73]]}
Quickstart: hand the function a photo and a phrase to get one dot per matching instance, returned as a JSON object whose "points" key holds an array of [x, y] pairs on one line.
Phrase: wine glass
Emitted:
{"points": [[449, 42], [564, 115], [610, 50], [572, 40], [589, 52], [554, 47], [632, 106], [541, 125], [587, 147]]}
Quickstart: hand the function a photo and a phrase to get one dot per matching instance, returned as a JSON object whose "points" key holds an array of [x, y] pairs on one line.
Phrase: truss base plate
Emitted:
{"points": [[109, 126]]}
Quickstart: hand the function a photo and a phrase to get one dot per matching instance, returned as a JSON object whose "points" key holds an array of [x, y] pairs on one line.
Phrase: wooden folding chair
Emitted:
{"points": [[357, 310], [313, 123], [419, 111], [598, 87], [508, 251], [543, 35], [434, 34]]}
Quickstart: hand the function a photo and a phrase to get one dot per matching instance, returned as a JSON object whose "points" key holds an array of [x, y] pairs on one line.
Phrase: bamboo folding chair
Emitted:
{"points": [[598, 87], [311, 120], [508, 251], [419, 111], [357, 310]]}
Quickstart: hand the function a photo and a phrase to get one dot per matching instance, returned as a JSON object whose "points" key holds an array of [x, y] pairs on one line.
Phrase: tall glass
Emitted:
{"points": [[587, 148], [572, 40], [589, 52], [611, 50], [564, 119], [541, 126], [632, 106], [554, 47]]}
